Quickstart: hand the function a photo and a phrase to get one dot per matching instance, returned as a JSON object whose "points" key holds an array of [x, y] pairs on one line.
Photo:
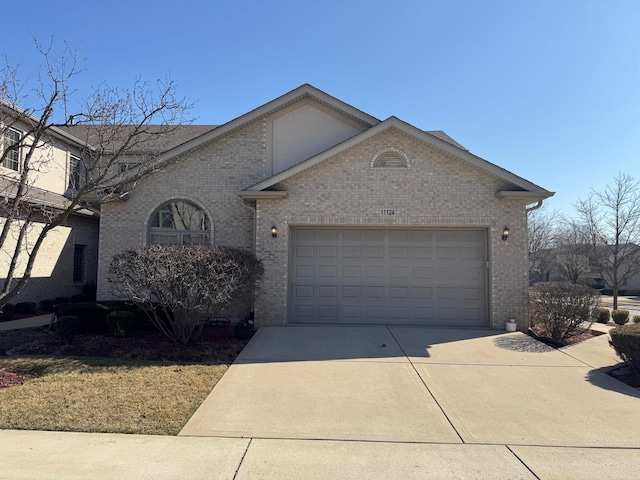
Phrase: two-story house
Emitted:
{"points": [[66, 263]]}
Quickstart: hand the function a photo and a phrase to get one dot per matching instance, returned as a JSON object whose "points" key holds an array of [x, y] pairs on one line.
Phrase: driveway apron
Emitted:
{"points": [[416, 384]]}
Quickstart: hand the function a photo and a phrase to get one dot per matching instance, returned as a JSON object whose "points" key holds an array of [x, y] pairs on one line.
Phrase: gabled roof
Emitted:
{"points": [[522, 188], [304, 91]]}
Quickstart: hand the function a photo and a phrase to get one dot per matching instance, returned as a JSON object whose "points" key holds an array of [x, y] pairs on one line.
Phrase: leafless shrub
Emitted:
{"points": [[178, 287], [558, 309]]}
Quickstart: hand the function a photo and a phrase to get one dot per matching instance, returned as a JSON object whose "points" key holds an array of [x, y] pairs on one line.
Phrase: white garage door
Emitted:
{"points": [[406, 277]]}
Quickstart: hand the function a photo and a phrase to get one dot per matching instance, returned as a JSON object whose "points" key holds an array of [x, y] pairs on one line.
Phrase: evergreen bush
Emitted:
{"points": [[66, 327], [620, 316], [625, 339], [603, 315]]}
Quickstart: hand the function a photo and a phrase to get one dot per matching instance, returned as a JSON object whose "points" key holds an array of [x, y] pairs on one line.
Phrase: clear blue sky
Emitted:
{"points": [[548, 89]]}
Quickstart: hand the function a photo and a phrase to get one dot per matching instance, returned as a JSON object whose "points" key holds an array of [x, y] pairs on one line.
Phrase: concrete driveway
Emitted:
{"points": [[457, 400]]}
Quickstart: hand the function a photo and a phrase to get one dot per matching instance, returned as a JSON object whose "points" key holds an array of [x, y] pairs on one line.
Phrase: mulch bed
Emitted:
{"points": [[14, 379], [545, 337]]}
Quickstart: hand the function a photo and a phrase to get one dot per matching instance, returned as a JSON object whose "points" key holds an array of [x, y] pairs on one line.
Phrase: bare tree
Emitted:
{"points": [[541, 225], [572, 253], [611, 219], [110, 125]]}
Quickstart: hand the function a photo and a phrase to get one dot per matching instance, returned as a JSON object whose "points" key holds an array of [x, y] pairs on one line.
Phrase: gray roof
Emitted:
{"points": [[443, 136], [38, 196], [156, 140]]}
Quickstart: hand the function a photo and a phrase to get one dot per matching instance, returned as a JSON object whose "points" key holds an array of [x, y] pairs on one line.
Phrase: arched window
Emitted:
{"points": [[179, 223]]}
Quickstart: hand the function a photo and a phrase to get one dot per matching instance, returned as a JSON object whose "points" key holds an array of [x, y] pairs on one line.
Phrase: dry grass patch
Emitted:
{"points": [[141, 383], [105, 395]]}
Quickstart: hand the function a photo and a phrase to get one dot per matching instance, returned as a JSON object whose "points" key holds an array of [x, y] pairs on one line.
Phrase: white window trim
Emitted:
{"points": [[19, 151]]}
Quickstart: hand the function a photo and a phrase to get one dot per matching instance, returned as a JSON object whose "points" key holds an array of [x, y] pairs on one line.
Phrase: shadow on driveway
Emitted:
{"points": [[600, 378]]}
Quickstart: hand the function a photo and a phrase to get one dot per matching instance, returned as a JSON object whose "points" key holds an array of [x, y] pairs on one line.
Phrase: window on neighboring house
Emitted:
{"points": [[79, 263], [12, 155], [74, 173], [179, 223]]}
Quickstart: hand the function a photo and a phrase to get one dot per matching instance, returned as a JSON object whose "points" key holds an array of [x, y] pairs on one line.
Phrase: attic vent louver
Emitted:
{"points": [[389, 159]]}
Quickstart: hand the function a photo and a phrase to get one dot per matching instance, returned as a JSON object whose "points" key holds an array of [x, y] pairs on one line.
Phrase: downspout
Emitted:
{"points": [[535, 207]]}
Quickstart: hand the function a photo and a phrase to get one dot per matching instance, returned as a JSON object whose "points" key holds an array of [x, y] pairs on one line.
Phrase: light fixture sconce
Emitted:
{"points": [[505, 233], [274, 231]]}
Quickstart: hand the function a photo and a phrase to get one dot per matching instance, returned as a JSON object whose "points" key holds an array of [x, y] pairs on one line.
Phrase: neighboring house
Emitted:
{"points": [[67, 262], [578, 266], [357, 220]]}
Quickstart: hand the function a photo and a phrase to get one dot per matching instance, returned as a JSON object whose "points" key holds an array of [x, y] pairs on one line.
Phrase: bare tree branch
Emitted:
{"points": [[611, 218], [541, 227], [109, 126]]}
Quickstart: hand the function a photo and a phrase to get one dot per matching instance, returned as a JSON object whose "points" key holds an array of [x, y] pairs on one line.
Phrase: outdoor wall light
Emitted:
{"points": [[274, 231], [505, 233]]}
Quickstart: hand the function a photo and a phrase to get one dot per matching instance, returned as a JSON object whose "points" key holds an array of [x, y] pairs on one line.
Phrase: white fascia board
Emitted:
{"points": [[538, 195]]}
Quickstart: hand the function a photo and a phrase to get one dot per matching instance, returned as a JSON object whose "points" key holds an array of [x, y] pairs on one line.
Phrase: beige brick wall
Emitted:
{"points": [[210, 177], [436, 191]]}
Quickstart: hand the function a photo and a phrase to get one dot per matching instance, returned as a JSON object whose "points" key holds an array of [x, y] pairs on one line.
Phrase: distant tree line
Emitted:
{"points": [[598, 247]]}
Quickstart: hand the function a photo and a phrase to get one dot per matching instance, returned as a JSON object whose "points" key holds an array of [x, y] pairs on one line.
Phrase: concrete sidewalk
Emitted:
{"points": [[377, 402], [29, 322]]}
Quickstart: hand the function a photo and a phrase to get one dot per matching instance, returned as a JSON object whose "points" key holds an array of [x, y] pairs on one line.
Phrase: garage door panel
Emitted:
{"points": [[422, 293], [375, 236], [327, 291], [399, 292], [424, 273], [422, 253], [350, 252], [374, 292], [303, 234], [351, 236], [374, 312], [396, 272], [398, 313], [351, 292], [351, 271], [399, 253], [304, 271], [304, 252], [374, 272], [328, 235], [328, 312], [402, 276], [304, 291], [304, 312], [352, 313], [374, 253], [328, 271]]}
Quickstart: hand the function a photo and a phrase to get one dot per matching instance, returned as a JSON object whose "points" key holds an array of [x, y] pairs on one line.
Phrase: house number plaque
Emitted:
{"points": [[388, 212]]}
